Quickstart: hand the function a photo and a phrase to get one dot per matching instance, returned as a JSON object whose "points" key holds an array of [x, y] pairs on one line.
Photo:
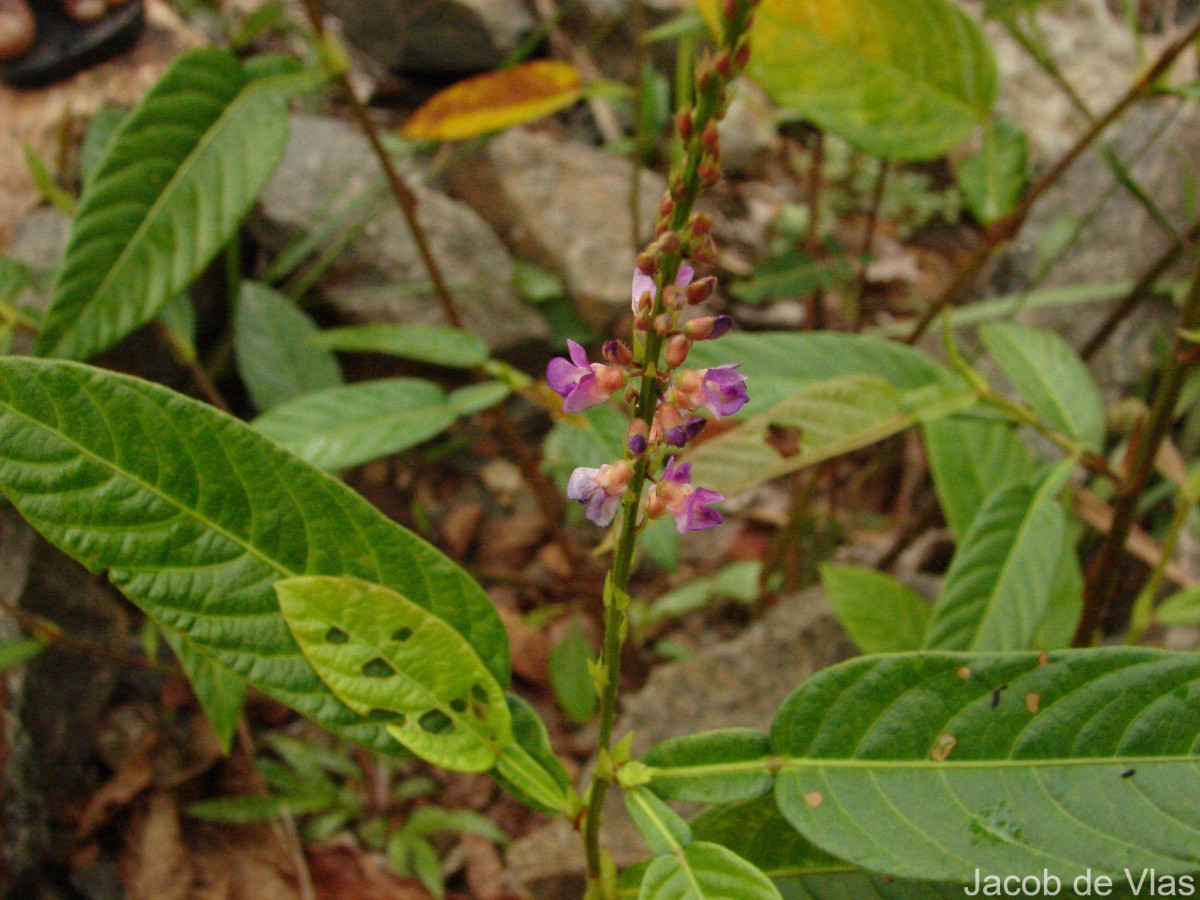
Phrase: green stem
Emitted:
{"points": [[1104, 571], [1142, 616]]}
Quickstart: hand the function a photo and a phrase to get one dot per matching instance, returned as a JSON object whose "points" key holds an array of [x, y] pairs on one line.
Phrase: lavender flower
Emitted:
{"points": [[643, 284], [581, 384], [721, 390], [600, 490], [689, 505]]}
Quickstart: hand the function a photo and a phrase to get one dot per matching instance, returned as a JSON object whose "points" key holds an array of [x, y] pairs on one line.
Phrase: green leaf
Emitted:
{"points": [[1056, 631], [275, 358], [431, 820], [451, 347], [48, 187], [663, 829], [880, 614], [594, 437], [993, 179], [391, 660], [178, 316], [534, 775], [179, 175], [475, 398], [344, 426], [683, 768], [705, 872], [221, 693], [104, 125], [254, 807], [902, 79], [790, 275], [933, 765], [737, 581], [998, 588], [817, 422], [778, 363], [1181, 608], [19, 650], [1050, 377], [969, 458], [569, 676], [90, 457]]}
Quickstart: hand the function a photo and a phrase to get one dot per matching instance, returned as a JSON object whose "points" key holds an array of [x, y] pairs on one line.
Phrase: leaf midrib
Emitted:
{"points": [[248, 88]]}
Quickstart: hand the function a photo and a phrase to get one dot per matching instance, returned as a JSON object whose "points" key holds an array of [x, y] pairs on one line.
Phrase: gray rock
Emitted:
{"points": [[328, 164], [748, 133], [435, 36], [39, 242], [564, 206], [740, 682]]}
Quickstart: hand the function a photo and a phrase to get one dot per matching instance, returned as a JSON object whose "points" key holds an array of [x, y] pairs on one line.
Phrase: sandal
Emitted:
{"points": [[63, 46]]}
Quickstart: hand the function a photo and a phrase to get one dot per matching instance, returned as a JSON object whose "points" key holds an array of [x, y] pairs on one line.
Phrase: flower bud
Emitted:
{"points": [[701, 224], [710, 138], [709, 172], [647, 263], [705, 252], [683, 124], [666, 205], [670, 422], [645, 303], [674, 300], [723, 65], [664, 323], [617, 477], [616, 352], [609, 378], [742, 55], [661, 227], [669, 243], [731, 9], [644, 320], [631, 395], [637, 438], [700, 290], [653, 505], [677, 350], [676, 186], [708, 328]]}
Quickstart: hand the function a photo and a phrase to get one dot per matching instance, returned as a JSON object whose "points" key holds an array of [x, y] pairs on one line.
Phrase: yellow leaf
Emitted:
{"points": [[496, 100]]}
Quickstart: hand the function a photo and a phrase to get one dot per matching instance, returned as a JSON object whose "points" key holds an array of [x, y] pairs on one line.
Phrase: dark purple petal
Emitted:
{"points": [[694, 425], [695, 513], [676, 436], [637, 444], [678, 473], [721, 326]]}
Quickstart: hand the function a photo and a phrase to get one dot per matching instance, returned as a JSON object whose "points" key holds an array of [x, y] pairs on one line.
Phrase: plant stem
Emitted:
{"points": [[1004, 229], [1142, 617], [1105, 570], [812, 238], [868, 244]]}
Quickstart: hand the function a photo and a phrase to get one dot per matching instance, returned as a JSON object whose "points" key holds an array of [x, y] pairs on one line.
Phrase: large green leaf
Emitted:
{"points": [[905, 79], [1050, 377], [994, 178], [969, 458], [998, 588], [195, 516], [881, 614], [177, 178], [679, 767], [817, 422], [393, 661], [935, 765], [275, 358], [221, 693], [343, 426]]}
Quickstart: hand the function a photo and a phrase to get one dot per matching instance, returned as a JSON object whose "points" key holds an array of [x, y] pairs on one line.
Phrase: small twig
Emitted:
{"points": [[1104, 572], [10, 315], [812, 238], [1141, 290], [1004, 229], [868, 244]]}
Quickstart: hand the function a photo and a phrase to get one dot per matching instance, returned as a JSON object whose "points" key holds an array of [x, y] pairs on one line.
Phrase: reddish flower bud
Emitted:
{"points": [[644, 303], [710, 138], [742, 55], [709, 172], [701, 290], [705, 252], [669, 243], [643, 321], [708, 328], [683, 124], [701, 224], [617, 353], [661, 227], [666, 205], [704, 79], [674, 300], [664, 324], [654, 506], [647, 263], [677, 350], [723, 65], [609, 378], [731, 9]]}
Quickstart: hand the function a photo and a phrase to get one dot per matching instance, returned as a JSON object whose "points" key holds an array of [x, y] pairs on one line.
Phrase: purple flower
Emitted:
{"points": [[581, 384], [724, 390], [643, 283], [688, 504], [600, 490]]}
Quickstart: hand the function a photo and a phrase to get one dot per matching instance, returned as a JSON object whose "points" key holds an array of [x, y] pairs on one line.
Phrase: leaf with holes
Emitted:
{"points": [[393, 662], [999, 586], [902, 79], [880, 613], [92, 459], [969, 458], [177, 178], [935, 765], [275, 355], [1050, 377], [496, 100]]}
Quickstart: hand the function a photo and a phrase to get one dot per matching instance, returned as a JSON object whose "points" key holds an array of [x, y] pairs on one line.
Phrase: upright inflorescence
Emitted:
{"points": [[666, 399]]}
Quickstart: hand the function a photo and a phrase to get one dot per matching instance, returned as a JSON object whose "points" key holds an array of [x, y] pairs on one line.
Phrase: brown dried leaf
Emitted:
{"points": [[341, 871]]}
